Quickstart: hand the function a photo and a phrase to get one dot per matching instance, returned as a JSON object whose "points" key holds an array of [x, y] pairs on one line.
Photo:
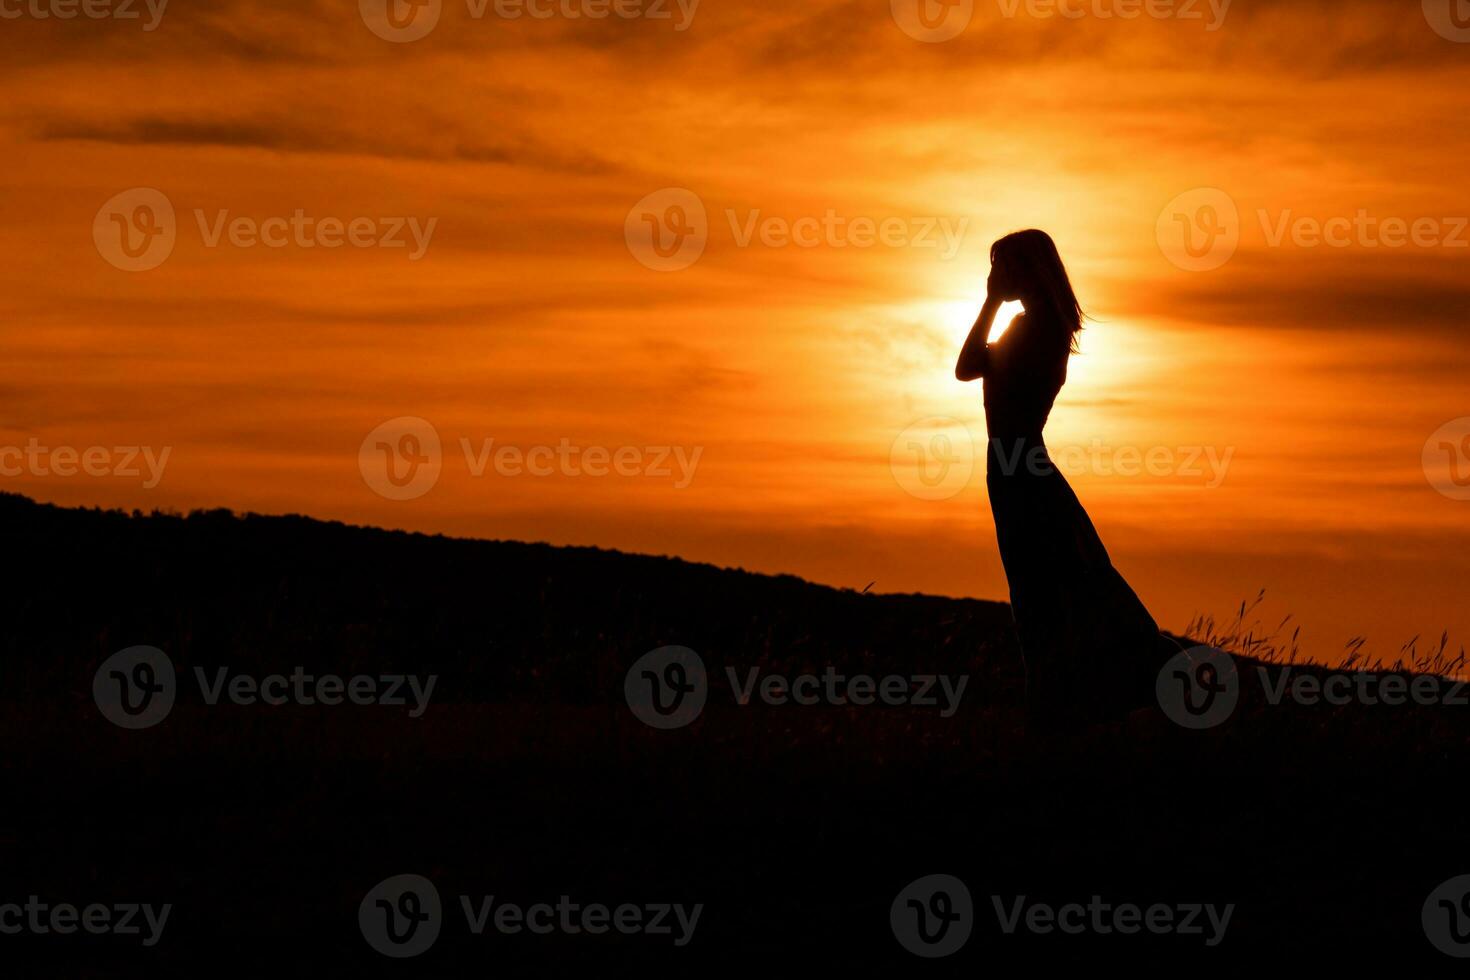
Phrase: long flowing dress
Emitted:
{"points": [[1090, 646]]}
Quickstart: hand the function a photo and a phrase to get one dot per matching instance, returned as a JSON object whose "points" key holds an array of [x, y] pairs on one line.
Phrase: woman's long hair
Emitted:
{"points": [[1031, 257]]}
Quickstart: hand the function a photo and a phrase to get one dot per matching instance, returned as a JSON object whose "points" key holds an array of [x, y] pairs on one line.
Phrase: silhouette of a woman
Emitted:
{"points": [[1089, 644]]}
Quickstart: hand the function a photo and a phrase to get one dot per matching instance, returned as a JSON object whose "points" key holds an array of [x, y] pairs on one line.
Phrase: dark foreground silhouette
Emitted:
{"points": [[528, 777]]}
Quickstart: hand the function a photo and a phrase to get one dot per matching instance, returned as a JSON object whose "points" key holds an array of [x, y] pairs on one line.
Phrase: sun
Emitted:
{"points": [[958, 316], [1003, 317]]}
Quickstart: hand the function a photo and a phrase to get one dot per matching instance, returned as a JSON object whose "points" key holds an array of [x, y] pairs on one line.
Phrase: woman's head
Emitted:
{"points": [[1025, 265]]}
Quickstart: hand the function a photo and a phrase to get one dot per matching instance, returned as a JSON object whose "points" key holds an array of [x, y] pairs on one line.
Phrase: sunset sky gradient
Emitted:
{"points": [[1322, 370]]}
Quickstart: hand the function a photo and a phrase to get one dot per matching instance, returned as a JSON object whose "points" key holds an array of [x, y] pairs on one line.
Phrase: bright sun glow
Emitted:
{"points": [[954, 318], [959, 316], [1003, 317], [1113, 356]]}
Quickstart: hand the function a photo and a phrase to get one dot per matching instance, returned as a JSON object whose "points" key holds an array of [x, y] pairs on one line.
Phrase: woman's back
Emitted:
{"points": [[1028, 367]]}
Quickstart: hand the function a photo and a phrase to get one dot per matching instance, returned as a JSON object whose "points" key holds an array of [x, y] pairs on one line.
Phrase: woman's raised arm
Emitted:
{"points": [[974, 357]]}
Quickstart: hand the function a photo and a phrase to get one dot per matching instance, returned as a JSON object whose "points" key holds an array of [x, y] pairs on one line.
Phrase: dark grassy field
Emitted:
{"points": [[528, 777]]}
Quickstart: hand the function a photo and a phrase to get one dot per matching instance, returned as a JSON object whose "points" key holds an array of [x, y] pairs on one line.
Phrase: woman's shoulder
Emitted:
{"points": [[1044, 339], [1047, 325]]}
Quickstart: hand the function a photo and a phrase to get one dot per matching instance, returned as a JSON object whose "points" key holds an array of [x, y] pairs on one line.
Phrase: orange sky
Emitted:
{"points": [[784, 374]]}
